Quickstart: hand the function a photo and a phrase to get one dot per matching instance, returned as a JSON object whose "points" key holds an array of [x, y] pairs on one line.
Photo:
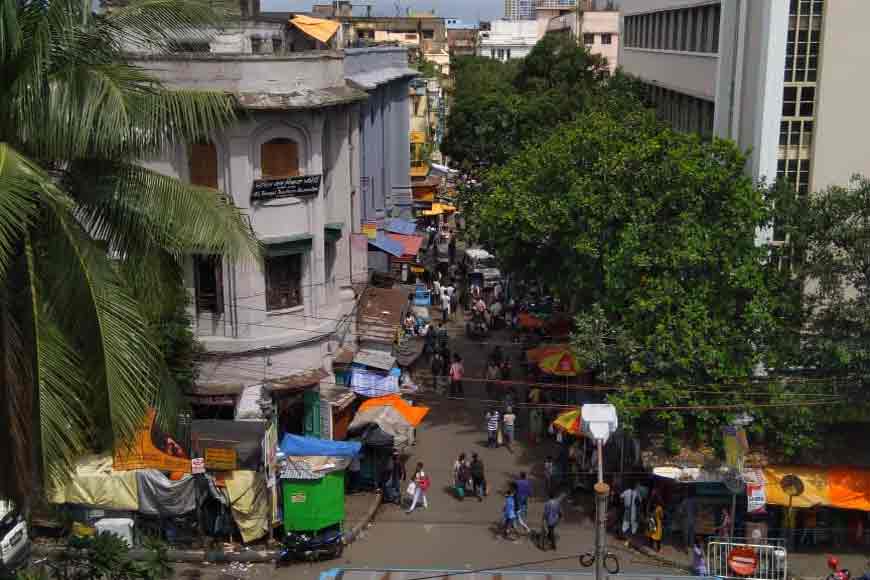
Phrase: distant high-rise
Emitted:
{"points": [[519, 9]]}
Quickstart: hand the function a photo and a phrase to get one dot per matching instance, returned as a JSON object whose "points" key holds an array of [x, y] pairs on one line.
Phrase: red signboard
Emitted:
{"points": [[743, 560]]}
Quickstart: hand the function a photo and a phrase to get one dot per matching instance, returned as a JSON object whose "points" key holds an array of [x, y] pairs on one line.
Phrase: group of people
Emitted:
{"points": [[446, 297], [500, 429], [469, 475]]}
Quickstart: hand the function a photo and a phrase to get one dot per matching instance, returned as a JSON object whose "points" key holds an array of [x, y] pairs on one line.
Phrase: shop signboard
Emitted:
{"points": [[293, 186], [755, 498], [220, 459]]}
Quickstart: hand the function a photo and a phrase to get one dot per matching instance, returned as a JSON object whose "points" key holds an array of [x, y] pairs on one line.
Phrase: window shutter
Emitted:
{"points": [[203, 165], [279, 158]]}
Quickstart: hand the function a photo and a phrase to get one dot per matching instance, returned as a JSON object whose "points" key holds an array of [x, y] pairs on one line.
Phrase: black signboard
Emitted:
{"points": [[294, 186]]}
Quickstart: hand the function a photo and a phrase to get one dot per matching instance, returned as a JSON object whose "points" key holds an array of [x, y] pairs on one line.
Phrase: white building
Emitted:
{"points": [[784, 78], [598, 30], [507, 39], [331, 117]]}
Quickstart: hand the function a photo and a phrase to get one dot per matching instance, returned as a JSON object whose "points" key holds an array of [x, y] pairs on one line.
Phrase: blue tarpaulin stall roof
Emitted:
{"points": [[296, 445], [400, 226], [390, 246]]}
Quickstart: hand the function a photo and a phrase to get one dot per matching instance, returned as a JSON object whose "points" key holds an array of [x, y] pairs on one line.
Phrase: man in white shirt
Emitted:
{"points": [[445, 307], [631, 503]]}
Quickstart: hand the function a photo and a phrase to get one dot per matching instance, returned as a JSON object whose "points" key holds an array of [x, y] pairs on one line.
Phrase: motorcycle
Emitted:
{"points": [[326, 544]]}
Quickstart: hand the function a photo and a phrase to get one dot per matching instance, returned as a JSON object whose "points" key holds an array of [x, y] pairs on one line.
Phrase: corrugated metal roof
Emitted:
{"points": [[388, 245], [400, 226]]}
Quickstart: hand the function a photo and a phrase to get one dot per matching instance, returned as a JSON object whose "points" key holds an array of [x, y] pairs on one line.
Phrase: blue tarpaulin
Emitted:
{"points": [[387, 244], [296, 445], [400, 226], [369, 384]]}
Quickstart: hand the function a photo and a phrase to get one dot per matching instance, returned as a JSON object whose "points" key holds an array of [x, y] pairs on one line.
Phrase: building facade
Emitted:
{"points": [[717, 68], [597, 29], [328, 121], [508, 39]]}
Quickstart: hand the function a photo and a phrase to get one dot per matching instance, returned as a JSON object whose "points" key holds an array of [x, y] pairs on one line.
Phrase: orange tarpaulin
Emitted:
{"points": [[838, 487], [317, 28], [849, 488], [143, 452], [414, 415]]}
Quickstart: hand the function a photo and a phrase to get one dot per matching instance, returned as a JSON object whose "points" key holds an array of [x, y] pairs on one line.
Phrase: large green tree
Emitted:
{"points": [[498, 108], [82, 224]]}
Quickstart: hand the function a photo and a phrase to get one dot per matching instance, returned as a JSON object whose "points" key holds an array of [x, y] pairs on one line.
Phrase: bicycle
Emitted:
{"points": [[611, 562]]}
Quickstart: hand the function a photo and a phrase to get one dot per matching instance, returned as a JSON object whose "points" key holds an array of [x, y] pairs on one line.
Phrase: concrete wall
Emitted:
{"points": [[249, 73], [690, 73], [840, 147]]}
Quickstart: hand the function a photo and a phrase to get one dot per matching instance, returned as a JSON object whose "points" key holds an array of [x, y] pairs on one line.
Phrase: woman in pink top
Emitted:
{"points": [[456, 373]]}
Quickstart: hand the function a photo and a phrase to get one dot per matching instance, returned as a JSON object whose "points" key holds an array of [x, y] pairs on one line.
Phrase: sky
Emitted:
{"points": [[471, 10]]}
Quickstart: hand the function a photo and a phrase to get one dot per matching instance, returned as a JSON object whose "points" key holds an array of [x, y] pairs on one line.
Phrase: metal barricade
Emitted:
{"points": [[737, 558]]}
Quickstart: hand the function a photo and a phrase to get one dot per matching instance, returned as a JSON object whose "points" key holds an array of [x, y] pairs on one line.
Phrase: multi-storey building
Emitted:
{"points": [[783, 78], [596, 25], [519, 9], [322, 146]]}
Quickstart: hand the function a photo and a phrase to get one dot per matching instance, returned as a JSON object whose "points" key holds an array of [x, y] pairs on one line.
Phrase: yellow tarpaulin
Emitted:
{"points": [[439, 208], [317, 28], [815, 486], [250, 503], [94, 483]]}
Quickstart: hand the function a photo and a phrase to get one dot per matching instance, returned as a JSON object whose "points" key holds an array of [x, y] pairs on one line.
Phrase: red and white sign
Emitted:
{"points": [[743, 560], [197, 465], [756, 498]]}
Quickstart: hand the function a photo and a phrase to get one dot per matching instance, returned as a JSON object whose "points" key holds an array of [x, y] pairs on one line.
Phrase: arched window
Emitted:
{"points": [[279, 158], [203, 165]]}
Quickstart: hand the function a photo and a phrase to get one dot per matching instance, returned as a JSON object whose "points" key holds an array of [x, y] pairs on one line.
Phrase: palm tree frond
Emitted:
{"points": [[164, 212], [98, 308], [151, 25], [62, 389], [19, 180]]}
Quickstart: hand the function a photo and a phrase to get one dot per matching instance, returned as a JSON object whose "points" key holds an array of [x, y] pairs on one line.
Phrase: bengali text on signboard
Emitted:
{"points": [[220, 459], [293, 186]]}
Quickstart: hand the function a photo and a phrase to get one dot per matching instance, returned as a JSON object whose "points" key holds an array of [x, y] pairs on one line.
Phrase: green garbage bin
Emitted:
{"points": [[311, 505]]}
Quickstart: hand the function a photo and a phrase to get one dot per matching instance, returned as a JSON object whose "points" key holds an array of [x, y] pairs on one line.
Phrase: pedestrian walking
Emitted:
{"points": [[656, 527], [457, 371], [492, 419], [699, 564], [548, 475], [461, 476], [524, 492], [421, 486], [478, 476], [394, 476], [509, 421], [445, 307], [509, 512], [689, 509], [631, 504], [551, 519]]}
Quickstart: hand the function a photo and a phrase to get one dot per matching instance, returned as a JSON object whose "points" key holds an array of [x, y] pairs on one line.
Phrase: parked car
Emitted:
{"points": [[14, 539]]}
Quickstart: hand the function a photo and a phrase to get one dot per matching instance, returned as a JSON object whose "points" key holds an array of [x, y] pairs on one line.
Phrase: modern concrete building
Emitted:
{"points": [[519, 9], [508, 39], [323, 145], [783, 78]]}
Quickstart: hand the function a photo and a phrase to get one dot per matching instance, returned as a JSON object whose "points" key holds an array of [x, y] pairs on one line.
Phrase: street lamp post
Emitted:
{"points": [[599, 423]]}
